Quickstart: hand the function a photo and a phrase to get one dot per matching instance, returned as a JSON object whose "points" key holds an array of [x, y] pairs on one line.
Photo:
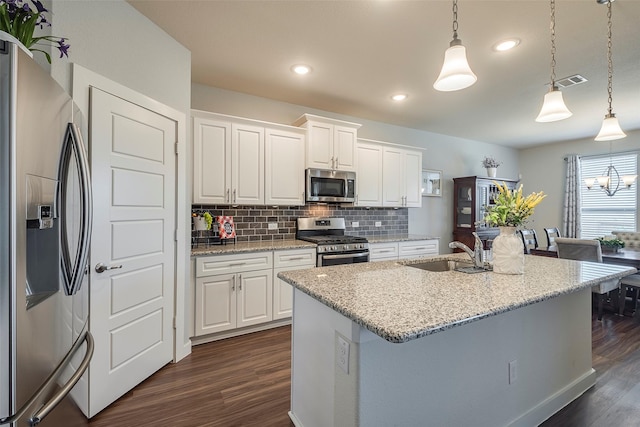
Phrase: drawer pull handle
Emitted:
{"points": [[298, 258], [235, 264]]}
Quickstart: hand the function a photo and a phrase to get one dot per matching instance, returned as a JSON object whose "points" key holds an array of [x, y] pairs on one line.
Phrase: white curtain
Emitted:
{"points": [[571, 206]]}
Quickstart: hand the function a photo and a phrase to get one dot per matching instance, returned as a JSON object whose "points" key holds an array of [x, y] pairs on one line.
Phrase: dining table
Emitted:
{"points": [[628, 257]]}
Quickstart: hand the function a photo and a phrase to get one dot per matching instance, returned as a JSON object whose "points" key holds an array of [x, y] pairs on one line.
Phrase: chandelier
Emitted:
{"points": [[611, 181]]}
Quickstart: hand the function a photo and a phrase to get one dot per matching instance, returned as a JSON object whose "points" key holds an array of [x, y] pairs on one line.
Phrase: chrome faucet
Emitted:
{"points": [[475, 254]]}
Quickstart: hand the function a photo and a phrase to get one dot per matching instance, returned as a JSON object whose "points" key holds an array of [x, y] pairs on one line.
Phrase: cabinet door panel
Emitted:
{"points": [[344, 148], [392, 176], [255, 297], [369, 175], [211, 160], [284, 170], [413, 178], [247, 159], [320, 145], [215, 304]]}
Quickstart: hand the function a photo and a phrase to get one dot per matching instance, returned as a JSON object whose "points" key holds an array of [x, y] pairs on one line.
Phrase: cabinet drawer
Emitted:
{"points": [[418, 248], [383, 251], [294, 258], [236, 263]]}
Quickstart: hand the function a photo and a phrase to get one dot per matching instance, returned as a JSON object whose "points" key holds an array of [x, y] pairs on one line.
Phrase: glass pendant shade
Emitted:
{"points": [[610, 129], [629, 180], [553, 108], [456, 73]]}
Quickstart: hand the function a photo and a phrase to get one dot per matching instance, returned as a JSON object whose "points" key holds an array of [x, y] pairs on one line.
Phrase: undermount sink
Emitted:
{"points": [[445, 265]]}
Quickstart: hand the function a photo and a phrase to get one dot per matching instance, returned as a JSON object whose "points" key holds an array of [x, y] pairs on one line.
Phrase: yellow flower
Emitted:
{"points": [[510, 208]]}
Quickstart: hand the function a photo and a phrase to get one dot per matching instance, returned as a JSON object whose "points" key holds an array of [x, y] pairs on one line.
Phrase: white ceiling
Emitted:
{"points": [[364, 51]]}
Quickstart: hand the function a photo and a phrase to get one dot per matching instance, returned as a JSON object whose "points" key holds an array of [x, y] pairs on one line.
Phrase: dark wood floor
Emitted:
{"points": [[245, 381]]}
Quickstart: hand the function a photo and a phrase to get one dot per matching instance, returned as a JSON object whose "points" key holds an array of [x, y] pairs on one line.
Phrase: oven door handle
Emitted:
{"points": [[356, 255]]}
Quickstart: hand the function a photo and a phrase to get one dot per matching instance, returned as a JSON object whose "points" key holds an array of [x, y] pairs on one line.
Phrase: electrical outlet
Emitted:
{"points": [[342, 354], [378, 223], [355, 224], [513, 371], [272, 226]]}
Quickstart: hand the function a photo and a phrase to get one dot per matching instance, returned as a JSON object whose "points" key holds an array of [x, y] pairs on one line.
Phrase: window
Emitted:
{"points": [[602, 214]]}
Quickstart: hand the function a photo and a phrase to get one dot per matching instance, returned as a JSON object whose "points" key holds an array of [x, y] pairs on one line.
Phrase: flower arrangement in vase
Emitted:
{"points": [[510, 210], [20, 21], [491, 165]]}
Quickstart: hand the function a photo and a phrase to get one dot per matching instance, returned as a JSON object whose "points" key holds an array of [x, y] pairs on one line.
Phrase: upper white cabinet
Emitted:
{"points": [[246, 162], [331, 144], [401, 174], [211, 160], [284, 175], [247, 165], [368, 174]]}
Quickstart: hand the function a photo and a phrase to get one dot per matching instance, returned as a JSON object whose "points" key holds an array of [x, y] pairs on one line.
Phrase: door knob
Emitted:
{"points": [[101, 268]]}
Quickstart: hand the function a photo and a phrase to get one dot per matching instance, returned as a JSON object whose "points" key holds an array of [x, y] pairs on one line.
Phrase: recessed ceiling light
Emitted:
{"points": [[301, 69], [399, 97], [506, 44]]}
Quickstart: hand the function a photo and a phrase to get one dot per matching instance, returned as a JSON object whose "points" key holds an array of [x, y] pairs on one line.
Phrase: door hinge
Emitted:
{"points": [[174, 323], [175, 235], [177, 148]]}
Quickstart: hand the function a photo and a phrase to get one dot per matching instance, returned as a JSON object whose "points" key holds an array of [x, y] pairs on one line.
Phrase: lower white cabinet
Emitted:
{"points": [[240, 290], [418, 248], [387, 251], [298, 259], [390, 251], [233, 299]]}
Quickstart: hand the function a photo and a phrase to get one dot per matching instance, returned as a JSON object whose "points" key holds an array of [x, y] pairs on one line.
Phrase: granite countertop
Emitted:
{"points": [[240, 247], [398, 238], [401, 303]]}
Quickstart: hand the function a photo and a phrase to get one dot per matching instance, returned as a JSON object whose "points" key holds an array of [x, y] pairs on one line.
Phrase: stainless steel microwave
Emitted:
{"points": [[331, 186]]}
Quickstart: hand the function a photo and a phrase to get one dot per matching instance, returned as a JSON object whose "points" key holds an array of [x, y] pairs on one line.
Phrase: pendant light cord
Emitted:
{"points": [[455, 19], [609, 60], [552, 29]]}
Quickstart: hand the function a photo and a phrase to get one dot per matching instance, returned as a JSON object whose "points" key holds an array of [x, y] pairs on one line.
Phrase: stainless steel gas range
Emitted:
{"points": [[334, 247]]}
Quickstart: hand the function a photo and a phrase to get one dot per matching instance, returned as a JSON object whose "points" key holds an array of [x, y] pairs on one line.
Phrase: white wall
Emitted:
{"points": [[543, 169], [454, 156]]}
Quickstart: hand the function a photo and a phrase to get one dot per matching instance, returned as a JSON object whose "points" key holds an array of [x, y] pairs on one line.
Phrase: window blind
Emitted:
{"points": [[602, 214]]}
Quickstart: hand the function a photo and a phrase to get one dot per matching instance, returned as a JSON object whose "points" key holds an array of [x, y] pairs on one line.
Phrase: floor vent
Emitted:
{"points": [[576, 79]]}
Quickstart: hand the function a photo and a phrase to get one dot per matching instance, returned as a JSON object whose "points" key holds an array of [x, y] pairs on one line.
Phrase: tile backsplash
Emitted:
{"points": [[252, 222]]}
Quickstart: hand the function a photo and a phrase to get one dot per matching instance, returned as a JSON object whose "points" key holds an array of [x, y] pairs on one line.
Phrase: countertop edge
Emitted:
{"points": [[402, 338]]}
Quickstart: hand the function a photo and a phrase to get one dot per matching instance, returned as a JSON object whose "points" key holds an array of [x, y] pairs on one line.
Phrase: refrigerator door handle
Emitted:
{"points": [[51, 404], [73, 150], [66, 388]]}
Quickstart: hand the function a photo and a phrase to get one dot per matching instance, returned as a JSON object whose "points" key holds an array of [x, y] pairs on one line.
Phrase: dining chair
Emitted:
{"points": [[529, 240], [587, 250], [552, 233]]}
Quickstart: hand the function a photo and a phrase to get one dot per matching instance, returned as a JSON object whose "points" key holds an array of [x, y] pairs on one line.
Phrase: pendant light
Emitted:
{"points": [[553, 108], [610, 129], [456, 73]]}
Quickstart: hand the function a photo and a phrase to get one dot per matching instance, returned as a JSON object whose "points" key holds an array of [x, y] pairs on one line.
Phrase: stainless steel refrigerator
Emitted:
{"points": [[45, 226]]}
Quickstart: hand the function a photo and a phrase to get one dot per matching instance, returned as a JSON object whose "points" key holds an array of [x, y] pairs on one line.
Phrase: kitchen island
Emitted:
{"points": [[383, 344]]}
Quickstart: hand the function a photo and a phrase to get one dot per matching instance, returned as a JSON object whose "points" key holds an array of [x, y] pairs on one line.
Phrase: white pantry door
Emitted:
{"points": [[131, 307]]}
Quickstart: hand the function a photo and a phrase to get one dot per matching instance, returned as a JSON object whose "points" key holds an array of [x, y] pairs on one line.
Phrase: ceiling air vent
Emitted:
{"points": [[576, 79]]}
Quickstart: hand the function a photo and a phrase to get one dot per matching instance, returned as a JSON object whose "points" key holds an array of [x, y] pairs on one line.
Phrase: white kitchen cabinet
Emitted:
{"points": [[331, 144], [387, 251], [233, 291], [410, 249], [295, 259], [228, 160], [211, 160], [418, 248], [401, 175], [368, 174], [284, 167]]}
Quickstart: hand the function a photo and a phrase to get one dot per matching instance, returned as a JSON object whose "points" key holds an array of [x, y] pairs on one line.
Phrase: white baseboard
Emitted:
{"points": [[237, 332], [554, 403], [296, 422]]}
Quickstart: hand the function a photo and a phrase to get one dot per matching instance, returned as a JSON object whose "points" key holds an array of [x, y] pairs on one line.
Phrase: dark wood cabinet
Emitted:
{"points": [[472, 196]]}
